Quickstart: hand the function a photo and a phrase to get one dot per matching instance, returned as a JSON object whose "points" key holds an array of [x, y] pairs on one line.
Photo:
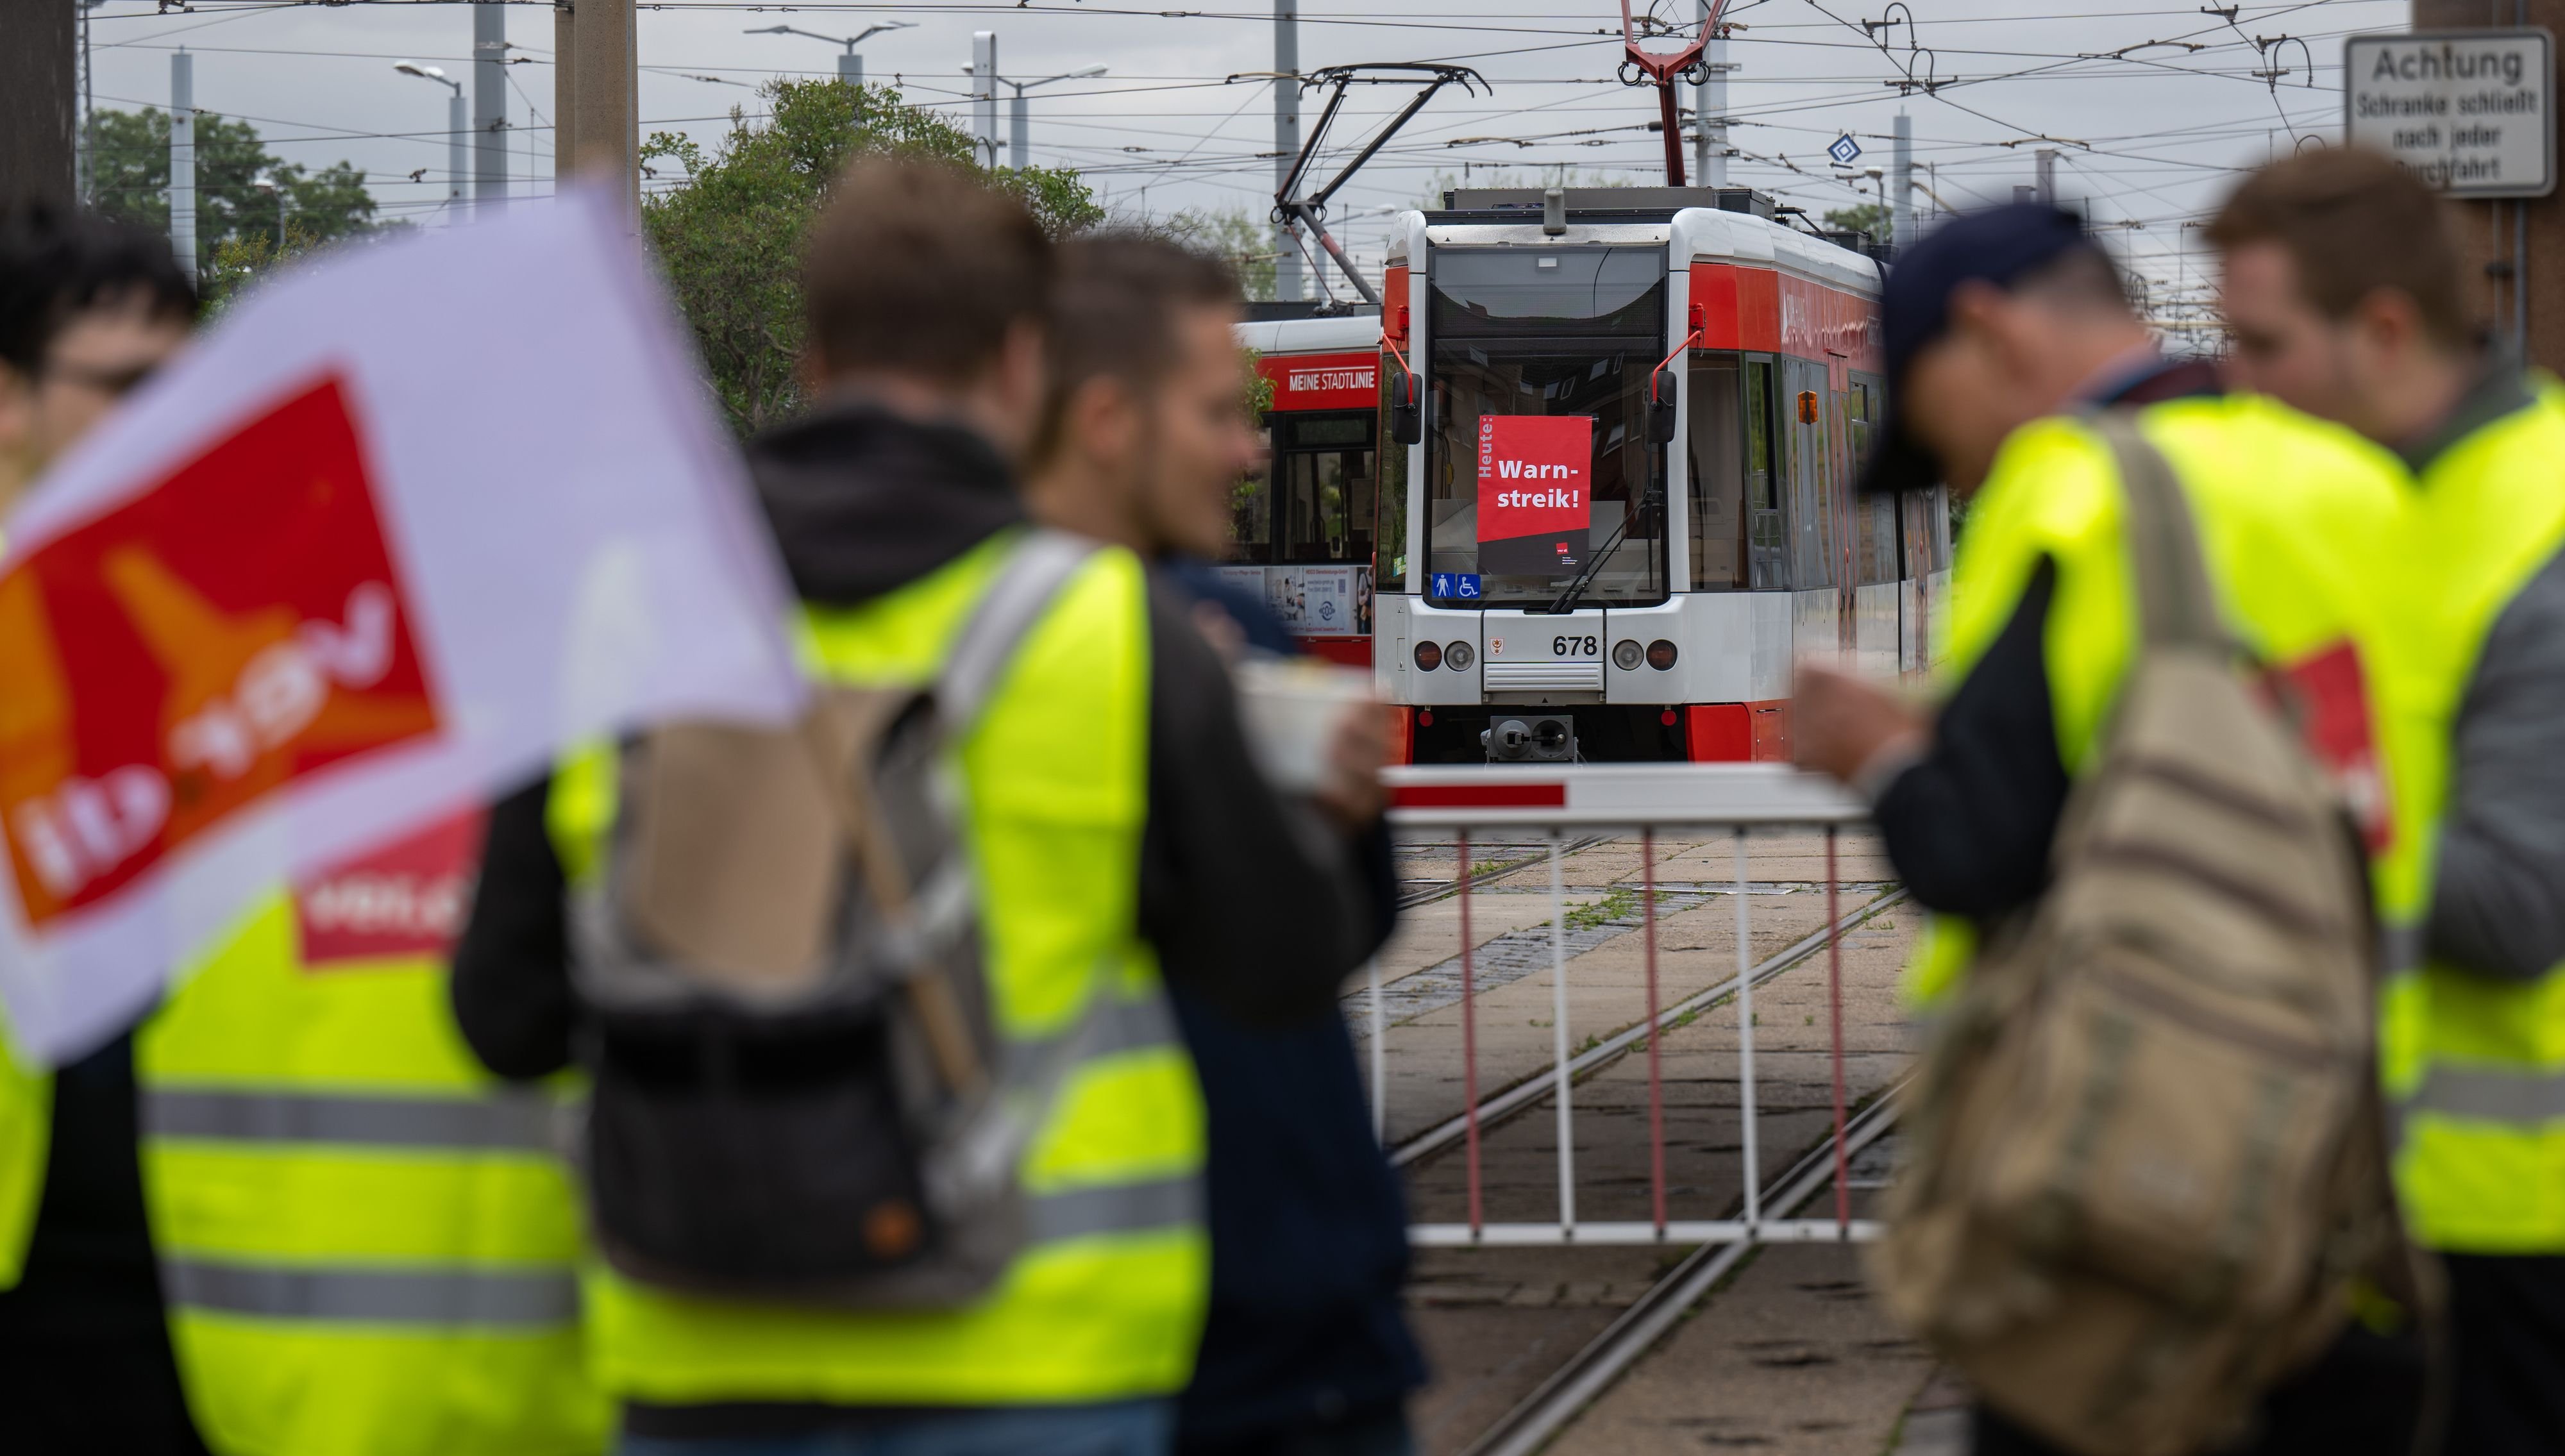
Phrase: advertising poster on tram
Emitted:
{"points": [[1536, 495]]}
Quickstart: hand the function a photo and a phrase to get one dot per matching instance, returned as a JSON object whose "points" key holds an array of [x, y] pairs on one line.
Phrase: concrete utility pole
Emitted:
{"points": [[38, 56], [983, 94], [1709, 111], [456, 125], [2045, 159], [489, 107], [182, 159], [1019, 125], [565, 91], [608, 124], [1287, 140], [1901, 181]]}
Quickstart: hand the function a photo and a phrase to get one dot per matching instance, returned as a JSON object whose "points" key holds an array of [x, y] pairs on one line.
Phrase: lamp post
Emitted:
{"points": [[850, 67], [265, 181], [456, 125], [1019, 143]]}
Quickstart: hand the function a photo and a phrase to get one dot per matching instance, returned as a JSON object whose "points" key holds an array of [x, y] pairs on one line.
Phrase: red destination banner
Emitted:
{"points": [[1324, 381], [1536, 494]]}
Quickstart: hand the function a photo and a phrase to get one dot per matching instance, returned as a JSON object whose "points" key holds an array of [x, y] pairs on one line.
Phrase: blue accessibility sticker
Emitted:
{"points": [[1844, 149], [1454, 586]]}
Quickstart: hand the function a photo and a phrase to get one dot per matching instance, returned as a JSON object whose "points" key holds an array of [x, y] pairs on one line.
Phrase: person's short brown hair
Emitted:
{"points": [[918, 268], [2354, 223], [1117, 311]]}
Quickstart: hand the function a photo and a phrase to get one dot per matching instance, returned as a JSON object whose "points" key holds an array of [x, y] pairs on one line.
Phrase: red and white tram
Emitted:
{"points": [[1568, 567], [1302, 534]]}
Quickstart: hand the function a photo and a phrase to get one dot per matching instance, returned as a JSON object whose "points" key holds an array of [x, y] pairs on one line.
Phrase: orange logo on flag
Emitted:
{"points": [[235, 627]]}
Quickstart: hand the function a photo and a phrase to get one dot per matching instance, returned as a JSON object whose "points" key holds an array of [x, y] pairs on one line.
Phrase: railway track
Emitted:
{"points": [[1445, 890], [1591, 1371]]}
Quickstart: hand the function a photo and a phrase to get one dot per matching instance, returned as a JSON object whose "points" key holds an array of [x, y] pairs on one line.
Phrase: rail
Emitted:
{"points": [[1593, 801]]}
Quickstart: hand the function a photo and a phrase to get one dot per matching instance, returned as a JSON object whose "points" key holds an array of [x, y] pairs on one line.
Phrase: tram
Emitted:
{"points": [[1302, 530], [1616, 499]]}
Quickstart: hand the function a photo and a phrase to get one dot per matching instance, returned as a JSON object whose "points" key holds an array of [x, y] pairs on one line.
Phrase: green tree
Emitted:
{"points": [[130, 150], [1237, 235], [729, 232], [1867, 218]]}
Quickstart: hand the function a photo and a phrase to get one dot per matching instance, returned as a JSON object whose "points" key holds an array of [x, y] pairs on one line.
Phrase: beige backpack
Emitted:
{"points": [[2146, 1156]]}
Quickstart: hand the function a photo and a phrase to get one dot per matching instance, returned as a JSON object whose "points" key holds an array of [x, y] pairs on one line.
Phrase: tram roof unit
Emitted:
{"points": [[1343, 332], [1724, 224]]}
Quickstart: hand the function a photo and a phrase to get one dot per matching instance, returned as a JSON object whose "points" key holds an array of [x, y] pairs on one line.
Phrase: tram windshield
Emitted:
{"points": [[1540, 473]]}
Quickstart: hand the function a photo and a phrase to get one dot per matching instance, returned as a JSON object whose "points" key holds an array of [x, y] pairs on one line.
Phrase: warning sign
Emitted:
{"points": [[1536, 494], [232, 628], [2470, 112]]}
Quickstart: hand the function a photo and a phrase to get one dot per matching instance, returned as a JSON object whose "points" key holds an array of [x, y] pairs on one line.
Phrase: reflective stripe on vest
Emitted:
{"points": [[2296, 518], [367, 1244], [2476, 1064], [1105, 1302]]}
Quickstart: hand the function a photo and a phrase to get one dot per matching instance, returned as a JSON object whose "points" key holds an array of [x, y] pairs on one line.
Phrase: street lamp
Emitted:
{"points": [[850, 67], [456, 125], [265, 181], [1018, 143]]}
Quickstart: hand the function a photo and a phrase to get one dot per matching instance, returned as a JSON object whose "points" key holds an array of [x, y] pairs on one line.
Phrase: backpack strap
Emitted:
{"points": [[1030, 579], [2176, 603]]}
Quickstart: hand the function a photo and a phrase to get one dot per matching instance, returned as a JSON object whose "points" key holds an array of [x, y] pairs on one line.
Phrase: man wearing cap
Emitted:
{"points": [[2001, 326]]}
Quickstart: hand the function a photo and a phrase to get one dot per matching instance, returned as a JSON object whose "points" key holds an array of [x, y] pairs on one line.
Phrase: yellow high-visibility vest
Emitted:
{"points": [[2295, 518], [368, 1245], [2476, 1064], [1106, 1302]]}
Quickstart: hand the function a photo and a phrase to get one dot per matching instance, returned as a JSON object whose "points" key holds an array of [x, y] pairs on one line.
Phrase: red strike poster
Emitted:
{"points": [[1536, 494]]}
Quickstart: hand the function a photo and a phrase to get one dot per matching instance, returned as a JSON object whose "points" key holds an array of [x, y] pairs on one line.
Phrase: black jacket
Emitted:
{"points": [[1308, 1225], [1251, 904]]}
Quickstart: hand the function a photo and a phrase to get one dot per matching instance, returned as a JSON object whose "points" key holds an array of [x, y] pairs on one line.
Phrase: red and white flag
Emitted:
{"points": [[405, 525]]}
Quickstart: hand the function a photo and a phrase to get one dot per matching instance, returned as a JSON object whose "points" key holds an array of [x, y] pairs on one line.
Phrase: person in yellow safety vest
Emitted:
{"points": [[2344, 287], [1995, 324], [87, 309], [1118, 829], [366, 1244]]}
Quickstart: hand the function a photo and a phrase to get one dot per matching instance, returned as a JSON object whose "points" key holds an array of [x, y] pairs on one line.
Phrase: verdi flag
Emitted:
{"points": [[408, 524]]}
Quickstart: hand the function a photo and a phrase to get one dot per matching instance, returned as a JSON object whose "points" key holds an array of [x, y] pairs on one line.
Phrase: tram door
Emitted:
{"points": [[1817, 610]]}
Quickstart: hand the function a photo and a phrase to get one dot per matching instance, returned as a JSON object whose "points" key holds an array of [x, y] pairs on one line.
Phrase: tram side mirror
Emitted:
{"points": [[1406, 407], [1661, 407]]}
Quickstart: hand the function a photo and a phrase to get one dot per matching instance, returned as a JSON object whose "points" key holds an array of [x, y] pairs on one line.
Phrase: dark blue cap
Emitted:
{"points": [[1999, 247]]}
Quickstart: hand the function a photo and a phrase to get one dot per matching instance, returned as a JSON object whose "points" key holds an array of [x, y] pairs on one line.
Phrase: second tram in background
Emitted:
{"points": [[1602, 496]]}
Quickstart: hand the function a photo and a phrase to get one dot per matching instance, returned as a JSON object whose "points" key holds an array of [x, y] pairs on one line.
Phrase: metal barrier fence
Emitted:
{"points": [[1643, 799]]}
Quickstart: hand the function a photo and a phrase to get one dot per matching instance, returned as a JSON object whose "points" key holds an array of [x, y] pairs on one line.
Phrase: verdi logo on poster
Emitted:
{"points": [[1536, 494]]}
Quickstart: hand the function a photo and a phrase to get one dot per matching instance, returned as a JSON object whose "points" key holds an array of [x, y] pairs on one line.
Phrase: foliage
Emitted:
{"points": [[729, 231], [130, 159], [1237, 235], [1869, 218], [243, 259]]}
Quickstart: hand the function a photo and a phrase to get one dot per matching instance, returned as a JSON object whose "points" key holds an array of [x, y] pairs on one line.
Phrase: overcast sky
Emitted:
{"points": [[2154, 108]]}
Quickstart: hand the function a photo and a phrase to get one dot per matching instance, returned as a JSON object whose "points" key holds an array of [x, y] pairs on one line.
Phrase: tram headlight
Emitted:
{"points": [[1429, 656], [1625, 655], [1661, 654], [1459, 655]]}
